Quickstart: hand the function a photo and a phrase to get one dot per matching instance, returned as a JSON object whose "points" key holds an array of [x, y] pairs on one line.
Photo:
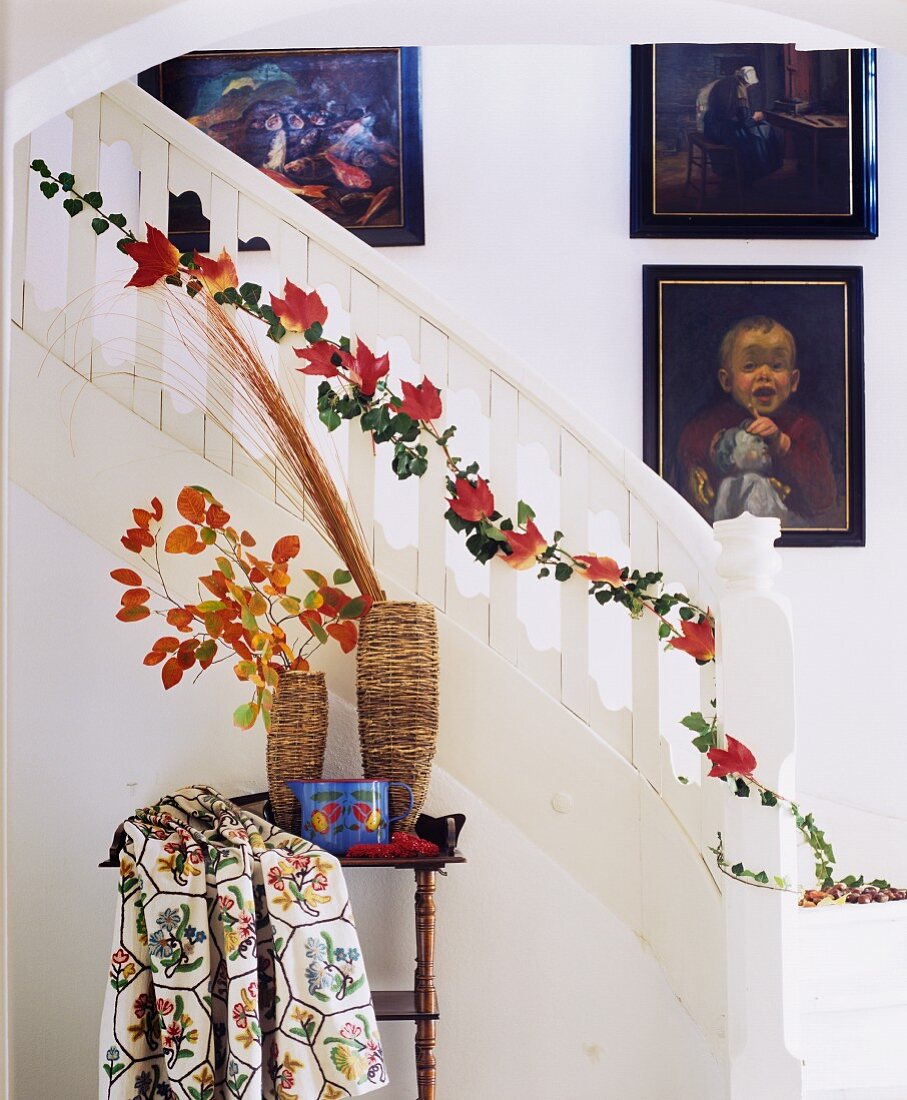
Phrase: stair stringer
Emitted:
{"points": [[90, 460]]}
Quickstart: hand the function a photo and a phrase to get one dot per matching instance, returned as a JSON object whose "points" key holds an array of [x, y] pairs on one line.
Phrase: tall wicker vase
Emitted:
{"points": [[397, 690], [295, 748]]}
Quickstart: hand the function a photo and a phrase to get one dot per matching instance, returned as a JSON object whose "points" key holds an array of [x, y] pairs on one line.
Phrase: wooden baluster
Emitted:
{"points": [[504, 622], [153, 209], [466, 372], [575, 679], [360, 458], [432, 569], [187, 425], [646, 650], [424, 984], [218, 389], [81, 265], [291, 249]]}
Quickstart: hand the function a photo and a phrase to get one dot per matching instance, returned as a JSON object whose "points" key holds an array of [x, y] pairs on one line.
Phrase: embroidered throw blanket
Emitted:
{"points": [[236, 972]]}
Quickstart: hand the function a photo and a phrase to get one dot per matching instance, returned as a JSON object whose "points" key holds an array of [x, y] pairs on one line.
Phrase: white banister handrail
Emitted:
{"points": [[658, 497]]}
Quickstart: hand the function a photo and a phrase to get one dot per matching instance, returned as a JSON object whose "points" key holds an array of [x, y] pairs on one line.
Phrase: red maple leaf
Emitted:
{"points": [[736, 759], [366, 368], [471, 502], [297, 309], [319, 357], [422, 402], [217, 274], [600, 569], [698, 640], [526, 547], [156, 257]]}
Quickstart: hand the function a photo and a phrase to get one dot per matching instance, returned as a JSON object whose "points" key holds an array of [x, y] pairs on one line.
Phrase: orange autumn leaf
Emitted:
{"points": [[135, 596], [157, 509], [166, 645], [216, 275], [180, 618], [133, 614], [154, 657], [181, 540], [171, 673], [698, 640], [285, 548], [297, 309], [525, 547], [246, 539], [156, 258], [345, 633], [191, 505], [126, 576], [300, 664], [216, 517], [599, 569], [142, 517], [139, 535], [131, 544]]}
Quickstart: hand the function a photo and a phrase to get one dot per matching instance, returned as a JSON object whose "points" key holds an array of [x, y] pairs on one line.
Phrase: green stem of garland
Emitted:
{"points": [[380, 415]]}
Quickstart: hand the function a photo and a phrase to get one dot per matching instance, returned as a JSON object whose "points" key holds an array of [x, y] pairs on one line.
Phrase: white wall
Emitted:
{"points": [[526, 211], [544, 993]]}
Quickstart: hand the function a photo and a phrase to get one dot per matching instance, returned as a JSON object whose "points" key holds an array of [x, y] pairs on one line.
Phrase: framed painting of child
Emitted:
{"points": [[753, 394]]}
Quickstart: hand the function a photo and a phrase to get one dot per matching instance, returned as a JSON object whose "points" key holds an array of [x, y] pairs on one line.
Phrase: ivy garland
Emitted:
{"points": [[355, 387]]}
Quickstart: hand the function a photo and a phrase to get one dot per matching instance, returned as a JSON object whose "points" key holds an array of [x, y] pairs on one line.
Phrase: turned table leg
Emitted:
{"points": [[426, 995]]}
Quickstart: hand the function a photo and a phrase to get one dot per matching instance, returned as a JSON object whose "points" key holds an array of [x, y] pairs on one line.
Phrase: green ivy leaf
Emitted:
{"points": [[41, 168], [563, 571], [99, 225], [119, 220], [49, 188], [250, 293], [768, 798], [314, 333], [93, 198], [341, 576], [72, 206], [523, 513], [67, 181]]}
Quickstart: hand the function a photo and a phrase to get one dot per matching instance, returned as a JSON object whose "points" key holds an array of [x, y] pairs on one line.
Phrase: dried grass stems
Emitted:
{"points": [[240, 395], [240, 382]]}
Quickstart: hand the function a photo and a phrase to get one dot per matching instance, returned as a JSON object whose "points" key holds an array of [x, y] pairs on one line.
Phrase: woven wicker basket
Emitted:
{"points": [[397, 689], [295, 748]]}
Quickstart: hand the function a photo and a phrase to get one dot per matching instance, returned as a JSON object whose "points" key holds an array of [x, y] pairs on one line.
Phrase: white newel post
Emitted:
{"points": [[756, 701]]}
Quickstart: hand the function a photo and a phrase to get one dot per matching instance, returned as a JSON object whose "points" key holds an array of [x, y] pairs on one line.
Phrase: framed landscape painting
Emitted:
{"points": [[339, 128], [748, 139], [753, 394]]}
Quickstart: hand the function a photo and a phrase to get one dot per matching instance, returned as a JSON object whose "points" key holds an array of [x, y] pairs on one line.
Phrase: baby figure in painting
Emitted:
{"points": [[754, 449]]}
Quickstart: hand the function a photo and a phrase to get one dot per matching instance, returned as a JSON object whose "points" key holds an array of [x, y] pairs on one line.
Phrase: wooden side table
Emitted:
{"points": [[419, 1004]]}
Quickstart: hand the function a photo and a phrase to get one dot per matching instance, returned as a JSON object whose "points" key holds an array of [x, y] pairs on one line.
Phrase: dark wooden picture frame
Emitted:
{"points": [[341, 128], [786, 175], [775, 349]]}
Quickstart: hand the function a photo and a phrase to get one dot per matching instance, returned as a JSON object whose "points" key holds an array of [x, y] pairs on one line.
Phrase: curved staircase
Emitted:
{"points": [[578, 709]]}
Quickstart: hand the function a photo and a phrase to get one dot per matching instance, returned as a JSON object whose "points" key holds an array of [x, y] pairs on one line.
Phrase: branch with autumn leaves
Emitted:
{"points": [[249, 614], [355, 386]]}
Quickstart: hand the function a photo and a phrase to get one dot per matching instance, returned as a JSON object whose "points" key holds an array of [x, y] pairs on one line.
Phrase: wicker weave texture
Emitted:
{"points": [[296, 743], [397, 689]]}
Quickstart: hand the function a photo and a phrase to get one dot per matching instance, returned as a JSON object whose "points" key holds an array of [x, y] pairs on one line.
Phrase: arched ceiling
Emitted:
{"points": [[57, 55]]}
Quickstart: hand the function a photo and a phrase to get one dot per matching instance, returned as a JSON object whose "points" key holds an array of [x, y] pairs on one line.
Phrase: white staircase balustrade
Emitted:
{"points": [[724, 946]]}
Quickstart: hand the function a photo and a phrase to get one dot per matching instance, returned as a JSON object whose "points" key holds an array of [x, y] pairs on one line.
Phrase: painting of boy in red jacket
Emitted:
{"points": [[756, 448]]}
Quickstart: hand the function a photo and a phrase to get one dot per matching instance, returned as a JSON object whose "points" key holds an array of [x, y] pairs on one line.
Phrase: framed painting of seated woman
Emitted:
{"points": [[746, 139]]}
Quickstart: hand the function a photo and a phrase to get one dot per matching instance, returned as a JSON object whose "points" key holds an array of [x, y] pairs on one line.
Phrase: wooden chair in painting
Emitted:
{"points": [[702, 153]]}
